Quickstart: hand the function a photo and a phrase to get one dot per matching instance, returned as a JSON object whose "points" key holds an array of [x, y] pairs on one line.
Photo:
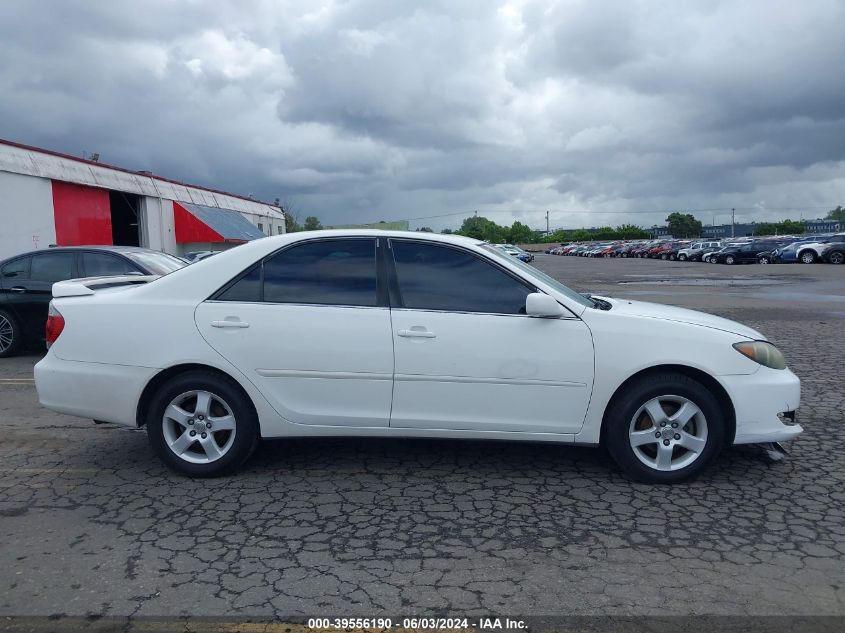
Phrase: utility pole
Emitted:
{"points": [[733, 222], [547, 222]]}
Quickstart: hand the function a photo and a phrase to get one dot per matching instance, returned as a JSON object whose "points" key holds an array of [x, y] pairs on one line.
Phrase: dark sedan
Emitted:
{"points": [[744, 254], [26, 283]]}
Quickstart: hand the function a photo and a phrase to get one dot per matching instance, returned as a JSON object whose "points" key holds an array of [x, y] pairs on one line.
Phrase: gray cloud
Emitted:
{"points": [[361, 111]]}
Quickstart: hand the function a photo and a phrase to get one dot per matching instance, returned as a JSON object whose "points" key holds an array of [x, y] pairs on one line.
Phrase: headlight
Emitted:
{"points": [[762, 352]]}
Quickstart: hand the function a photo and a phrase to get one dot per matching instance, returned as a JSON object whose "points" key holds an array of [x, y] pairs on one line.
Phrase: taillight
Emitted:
{"points": [[55, 324]]}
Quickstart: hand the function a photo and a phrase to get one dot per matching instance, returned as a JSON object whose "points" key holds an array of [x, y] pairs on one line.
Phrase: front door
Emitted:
{"points": [[28, 287], [467, 356], [310, 327]]}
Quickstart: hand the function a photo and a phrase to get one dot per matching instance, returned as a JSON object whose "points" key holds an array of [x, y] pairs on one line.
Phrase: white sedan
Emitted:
{"points": [[391, 334]]}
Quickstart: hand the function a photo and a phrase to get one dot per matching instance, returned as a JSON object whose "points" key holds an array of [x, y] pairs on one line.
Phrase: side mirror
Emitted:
{"points": [[538, 304]]}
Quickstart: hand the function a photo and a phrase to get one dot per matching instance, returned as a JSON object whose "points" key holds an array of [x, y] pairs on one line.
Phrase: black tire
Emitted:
{"points": [[729, 260], [9, 328], [620, 416], [836, 257], [672, 257], [765, 259], [807, 257], [247, 432], [682, 257]]}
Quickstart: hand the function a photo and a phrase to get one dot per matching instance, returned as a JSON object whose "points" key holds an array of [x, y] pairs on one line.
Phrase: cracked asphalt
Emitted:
{"points": [[92, 524]]}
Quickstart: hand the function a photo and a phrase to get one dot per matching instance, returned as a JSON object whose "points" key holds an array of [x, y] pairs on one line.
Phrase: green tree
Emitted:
{"points": [[424, 229], [312, 224], [836, 214], [631, 232], [580, 235], [291, 225], [480, 228], [519, 233], [683, 225], [446, 232], [791, 226]]}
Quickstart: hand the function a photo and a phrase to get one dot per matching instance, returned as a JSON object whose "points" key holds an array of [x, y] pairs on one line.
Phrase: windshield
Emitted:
{"points": [[156, 263], [540, 275]]}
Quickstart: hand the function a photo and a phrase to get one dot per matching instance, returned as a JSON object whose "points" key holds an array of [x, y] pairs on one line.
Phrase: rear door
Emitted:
{"points": [[310, 327], [468, 357]]}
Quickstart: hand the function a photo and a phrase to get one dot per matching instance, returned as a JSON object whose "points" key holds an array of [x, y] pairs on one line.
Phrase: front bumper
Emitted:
{"points": [[758, 400]]}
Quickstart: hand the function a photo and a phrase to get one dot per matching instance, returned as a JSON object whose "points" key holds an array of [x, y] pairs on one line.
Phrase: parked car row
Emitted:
{"points": [[762, 250], [515, 251]]}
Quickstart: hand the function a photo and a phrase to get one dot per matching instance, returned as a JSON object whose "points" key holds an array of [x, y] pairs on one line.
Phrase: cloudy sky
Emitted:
{"points": [[601, 112]]}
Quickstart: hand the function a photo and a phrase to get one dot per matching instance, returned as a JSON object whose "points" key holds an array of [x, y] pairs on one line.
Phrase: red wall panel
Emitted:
{"points": [[189, 229], [82, 214]]}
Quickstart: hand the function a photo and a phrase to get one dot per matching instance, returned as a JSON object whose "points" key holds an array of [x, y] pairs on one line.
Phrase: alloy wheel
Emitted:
{"points": [[199, 427], [7, 334], [668, 433], [808, 257], [836, 258]]}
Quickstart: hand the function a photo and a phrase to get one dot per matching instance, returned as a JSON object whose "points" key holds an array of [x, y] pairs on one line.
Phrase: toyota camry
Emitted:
{"points": [[392, 334]]}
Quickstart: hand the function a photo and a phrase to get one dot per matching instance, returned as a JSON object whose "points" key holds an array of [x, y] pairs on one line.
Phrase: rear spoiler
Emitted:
{"points": [[89, 285]]}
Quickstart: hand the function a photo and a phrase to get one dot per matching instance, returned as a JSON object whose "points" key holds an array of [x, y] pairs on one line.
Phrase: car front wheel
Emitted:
{"points": [[10, 335], [808, 257], [836, 257], [665, 428], [202, 424]]}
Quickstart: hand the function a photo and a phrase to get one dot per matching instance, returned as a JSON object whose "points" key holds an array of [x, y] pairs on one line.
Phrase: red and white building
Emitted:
{"points": [[50, 198]]}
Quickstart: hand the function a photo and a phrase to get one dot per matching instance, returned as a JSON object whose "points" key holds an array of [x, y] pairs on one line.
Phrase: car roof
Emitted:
{"points": [[120, 250]]}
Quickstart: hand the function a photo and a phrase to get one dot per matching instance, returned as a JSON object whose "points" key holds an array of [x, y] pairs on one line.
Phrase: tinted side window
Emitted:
{"points": [[52, 267], [331, 272], [434, 277], [101, 264], [245, 289], [18, 269]]}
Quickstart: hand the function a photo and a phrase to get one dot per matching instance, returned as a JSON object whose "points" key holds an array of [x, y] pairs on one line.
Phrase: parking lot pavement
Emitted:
{"points": [[91, 523]]}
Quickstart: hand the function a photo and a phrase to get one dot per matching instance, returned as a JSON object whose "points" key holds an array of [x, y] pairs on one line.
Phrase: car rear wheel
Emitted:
{"points": [[202, 424], [807, 257], [682, 257], [10, 335], [730, 259], [664, 428], [836, 257], [765, 259]]}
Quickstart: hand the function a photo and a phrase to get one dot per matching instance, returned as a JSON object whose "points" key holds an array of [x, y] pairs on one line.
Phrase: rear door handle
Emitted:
{"points": [[416, 332], [18, 289], [230, 323]]}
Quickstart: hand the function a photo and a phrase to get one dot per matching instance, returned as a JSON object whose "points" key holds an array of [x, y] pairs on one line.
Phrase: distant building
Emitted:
{"points": [[721, 231], [51, 198], [824, 226]]}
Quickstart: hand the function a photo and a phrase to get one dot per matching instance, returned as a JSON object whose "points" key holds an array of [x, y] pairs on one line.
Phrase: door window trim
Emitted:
{"points": [[397, 302], [80, 261], [381, 289], [14, 260]]}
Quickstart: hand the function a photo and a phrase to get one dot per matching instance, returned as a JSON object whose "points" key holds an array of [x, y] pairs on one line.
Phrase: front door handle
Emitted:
{"points": [[230, 323], [416, 332], [18, 289]]}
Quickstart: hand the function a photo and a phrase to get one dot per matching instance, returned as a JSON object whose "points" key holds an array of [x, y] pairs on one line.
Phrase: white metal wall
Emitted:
{"points": [[26, 214]]}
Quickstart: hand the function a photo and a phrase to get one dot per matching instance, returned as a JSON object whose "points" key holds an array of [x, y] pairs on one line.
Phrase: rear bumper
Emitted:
{"points": [[91, 390], [758, 398]]}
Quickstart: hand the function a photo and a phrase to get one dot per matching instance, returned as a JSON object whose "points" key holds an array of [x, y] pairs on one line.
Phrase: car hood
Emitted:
{"points": [[682, 315]]}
